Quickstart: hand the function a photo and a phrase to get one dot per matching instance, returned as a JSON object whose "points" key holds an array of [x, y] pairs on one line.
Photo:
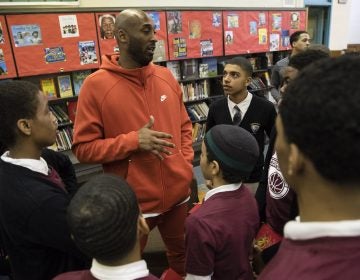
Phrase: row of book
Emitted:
{"points": [[64, 138], [195, 90], [198, 112], [198, 132], [61, 116], [63, 86], [193, 68], [257, 84]]}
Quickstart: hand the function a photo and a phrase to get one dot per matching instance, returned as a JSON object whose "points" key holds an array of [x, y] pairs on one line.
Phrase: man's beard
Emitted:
{"points": [[137, 52]]}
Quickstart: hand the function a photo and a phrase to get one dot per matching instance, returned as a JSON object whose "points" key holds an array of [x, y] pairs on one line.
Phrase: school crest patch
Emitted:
{"points": [[254, 127]]}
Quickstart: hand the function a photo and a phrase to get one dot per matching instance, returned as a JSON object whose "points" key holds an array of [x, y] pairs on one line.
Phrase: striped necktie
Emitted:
{"points": [[237, 116]]}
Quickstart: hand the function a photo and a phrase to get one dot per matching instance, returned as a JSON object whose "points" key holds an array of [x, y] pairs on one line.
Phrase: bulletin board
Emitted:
{"points": [[53, 43], [282, 24], [7, 65], [245, 32], [194, 34], [161, 51]]}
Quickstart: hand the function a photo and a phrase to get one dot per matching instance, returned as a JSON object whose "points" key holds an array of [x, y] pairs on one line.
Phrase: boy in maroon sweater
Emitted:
{"points": [[318, 152], [106, 224], [220, 233]]}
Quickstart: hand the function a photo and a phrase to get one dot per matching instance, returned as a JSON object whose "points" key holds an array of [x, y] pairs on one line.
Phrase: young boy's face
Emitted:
{"points": [[44, 125], [235, 80]]}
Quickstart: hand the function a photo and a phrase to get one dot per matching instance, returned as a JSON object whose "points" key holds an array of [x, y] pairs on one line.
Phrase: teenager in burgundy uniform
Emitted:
{"points": [[220, 233], [318, 130], [107, 225]]}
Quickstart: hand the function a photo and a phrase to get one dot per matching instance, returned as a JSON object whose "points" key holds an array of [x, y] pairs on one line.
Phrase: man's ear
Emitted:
{"points": [[296, 160], [24, 126], [143, 227], [122, 36]]}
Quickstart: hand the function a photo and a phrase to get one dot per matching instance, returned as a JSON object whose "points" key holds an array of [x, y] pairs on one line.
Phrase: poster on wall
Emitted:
{"points": [[7, 65], [245, 32], [26, 35], [2, 39], [54, 54], [106, 24], [194, 34], [68, 26], [3, 68], [87, 52], [160, 26]]}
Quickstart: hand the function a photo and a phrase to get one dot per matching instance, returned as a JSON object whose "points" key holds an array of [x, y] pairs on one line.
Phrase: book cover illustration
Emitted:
{"points": [[266, 237], [274, 42], [174, 67], [155, 16], [68, 26], [206, 47], [3, 68], [253, 28], [159, 53], [26, 35], [211, 63], [65, 88], [195, 29], [55, 54], [276, 22], [47, 86], [87, 52], [174, 22], [107, 26], [2, 39], [180, 49], [229, 37], [216, 19], [295, 20], [203, 70], [262, 36], [78, 79], [262, 19], [233, 21], [190, 69], [285, 38]]}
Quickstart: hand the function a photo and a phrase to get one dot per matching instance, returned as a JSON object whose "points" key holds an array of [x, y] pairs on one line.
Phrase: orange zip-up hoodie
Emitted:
{"points": [[114, 103]]}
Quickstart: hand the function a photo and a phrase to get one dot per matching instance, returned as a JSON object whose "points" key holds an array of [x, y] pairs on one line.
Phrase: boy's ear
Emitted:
{"points": [[248, 81], [296, 160], [24, 126], [215, 167], [143, 227]]}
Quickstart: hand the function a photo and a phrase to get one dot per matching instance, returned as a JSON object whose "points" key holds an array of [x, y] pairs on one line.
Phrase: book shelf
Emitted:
{"points": [[193, 44]]}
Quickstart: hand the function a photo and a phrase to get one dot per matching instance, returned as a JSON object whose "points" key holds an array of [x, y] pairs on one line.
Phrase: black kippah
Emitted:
{"points": [[233, 147]]}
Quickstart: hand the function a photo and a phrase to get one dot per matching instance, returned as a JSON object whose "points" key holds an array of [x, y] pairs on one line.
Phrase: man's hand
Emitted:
{"points": [[152, 141]]}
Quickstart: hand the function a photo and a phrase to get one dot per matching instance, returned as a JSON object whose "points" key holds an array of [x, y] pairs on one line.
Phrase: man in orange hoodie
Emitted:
{"points": [[131, 118]]}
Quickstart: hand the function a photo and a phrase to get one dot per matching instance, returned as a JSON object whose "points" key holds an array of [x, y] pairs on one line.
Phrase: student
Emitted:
{"points": [[106, 224], [131, 118], [317, 146], [243, 109], [220, 233], [276, 200], [33, 198], [299, 41]]}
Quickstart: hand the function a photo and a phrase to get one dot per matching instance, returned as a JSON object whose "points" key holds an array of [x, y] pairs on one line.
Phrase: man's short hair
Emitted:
{"points": [[103, 218], [305, 58], [243, 63], [18, 100], [321, 115], [296, 35]]}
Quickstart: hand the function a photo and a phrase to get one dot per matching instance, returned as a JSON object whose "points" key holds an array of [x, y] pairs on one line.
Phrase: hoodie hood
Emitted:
{"points": [[137, 76]]}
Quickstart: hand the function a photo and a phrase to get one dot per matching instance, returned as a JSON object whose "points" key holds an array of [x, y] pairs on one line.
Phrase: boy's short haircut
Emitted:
{"points": [[296, 35], [235, 150], [243, 63], [321, 115], [18, 100], [305, 58], [103, 218]]}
